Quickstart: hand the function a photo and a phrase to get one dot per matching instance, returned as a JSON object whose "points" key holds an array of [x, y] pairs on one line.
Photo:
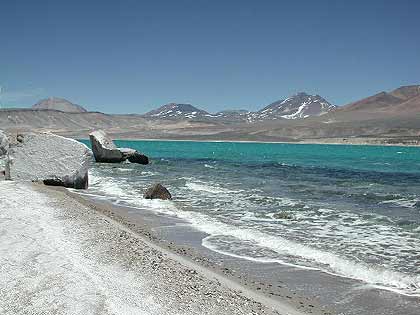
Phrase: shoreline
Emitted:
{"points": [[71, 256], [279, 299], [304, 142], [187, 257], [311, 290], [144, 237]]}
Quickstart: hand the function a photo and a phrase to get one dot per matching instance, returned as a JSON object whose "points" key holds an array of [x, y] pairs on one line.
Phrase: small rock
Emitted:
{"points": [[283, 215], [19, 138], [157, 191]]}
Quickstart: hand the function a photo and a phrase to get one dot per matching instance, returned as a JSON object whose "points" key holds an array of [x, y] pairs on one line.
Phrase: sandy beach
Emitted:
{"points": [[69, 257]]}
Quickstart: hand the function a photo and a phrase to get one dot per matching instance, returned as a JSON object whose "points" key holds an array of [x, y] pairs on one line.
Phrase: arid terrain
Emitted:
{"points": [[384, 118]]}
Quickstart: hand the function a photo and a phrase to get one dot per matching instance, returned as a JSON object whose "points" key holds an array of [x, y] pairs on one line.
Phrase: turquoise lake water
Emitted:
{"points": [[351, 211]]}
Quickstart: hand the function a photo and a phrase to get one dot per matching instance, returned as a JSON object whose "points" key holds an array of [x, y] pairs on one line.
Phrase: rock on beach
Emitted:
{"points": [[157, 191], [51, 159]]}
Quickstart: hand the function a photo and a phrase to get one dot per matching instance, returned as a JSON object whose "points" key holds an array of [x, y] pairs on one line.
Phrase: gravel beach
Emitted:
{"points": [[60, 256]]}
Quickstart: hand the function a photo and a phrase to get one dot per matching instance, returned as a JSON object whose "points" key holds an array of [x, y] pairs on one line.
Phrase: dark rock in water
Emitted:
{"points": [[283, 216], [134, 156], [51, 159], [126, 152], [19, 138], [104, 149], [139, 158], [157, 191]]}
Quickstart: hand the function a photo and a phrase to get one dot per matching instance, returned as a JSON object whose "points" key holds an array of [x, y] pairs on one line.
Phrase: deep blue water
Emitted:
{"points": [[352, 211]]}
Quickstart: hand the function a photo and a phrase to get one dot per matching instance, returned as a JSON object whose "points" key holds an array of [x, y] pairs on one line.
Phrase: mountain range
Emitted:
{"points": [[298, 106], [402, 100], [386, 117]]}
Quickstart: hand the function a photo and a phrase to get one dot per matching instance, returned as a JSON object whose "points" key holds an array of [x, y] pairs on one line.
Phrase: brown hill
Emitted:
{"points": [[61, 104], [406, 92], [399, 102]]}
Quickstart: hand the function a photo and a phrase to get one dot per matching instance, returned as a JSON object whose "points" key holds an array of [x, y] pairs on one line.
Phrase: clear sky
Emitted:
{"points": [[131, 56]]}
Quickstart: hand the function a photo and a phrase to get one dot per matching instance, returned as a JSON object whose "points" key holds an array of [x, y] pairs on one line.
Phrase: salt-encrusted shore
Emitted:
{"points": [[61, 256]]}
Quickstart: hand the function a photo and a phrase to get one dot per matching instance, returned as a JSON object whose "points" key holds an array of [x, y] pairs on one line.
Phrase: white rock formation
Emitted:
{"points": [[51, 159], [104, 149]]}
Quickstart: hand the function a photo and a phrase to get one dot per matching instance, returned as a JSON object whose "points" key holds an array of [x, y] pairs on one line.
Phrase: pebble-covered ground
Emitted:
{"points": [[58, 256]]}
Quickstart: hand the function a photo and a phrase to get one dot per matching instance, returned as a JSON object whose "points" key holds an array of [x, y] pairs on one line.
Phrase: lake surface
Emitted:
{"points": [[350, 211]]}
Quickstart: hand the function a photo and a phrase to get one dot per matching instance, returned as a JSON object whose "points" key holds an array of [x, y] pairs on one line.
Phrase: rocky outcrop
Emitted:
{"points": [[138, 158], [4, 144], [104, 150], [51, 159], [157, 191], [126, 152], [134, 156]]}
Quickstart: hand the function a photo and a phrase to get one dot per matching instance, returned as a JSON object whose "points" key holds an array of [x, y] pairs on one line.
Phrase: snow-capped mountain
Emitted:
{"points": [[232, 115], [177, 111], [298, 106]]}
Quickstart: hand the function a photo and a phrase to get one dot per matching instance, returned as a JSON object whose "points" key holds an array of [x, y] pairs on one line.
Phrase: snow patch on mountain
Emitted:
{"points": [[299, 106], [177, 111]]}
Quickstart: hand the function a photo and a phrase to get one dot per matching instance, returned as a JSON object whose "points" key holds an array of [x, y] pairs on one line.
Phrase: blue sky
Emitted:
{"points": [[132, 56]]}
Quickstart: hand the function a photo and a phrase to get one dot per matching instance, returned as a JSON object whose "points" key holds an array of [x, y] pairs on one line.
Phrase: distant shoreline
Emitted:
{"points": [[264, 142]]}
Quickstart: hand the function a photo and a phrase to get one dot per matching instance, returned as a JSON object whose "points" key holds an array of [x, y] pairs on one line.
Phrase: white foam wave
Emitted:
{"points": [[325, 261], [207, 243], [147, 173], [122, 169], [106, 185], [201, 186], [406, 203]]}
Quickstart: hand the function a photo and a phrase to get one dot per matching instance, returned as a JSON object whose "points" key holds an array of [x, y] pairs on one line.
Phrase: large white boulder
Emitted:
{"points": [[104, 149], [4, 144], [51, 159]]}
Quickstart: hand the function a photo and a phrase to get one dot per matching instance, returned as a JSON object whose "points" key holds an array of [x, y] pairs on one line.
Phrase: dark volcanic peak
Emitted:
{"points": [[174, 110], [61, 104], [298, 106]]}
